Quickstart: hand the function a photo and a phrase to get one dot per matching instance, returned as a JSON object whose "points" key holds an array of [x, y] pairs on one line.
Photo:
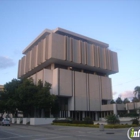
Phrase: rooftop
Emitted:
{"points": [[67, 33]]}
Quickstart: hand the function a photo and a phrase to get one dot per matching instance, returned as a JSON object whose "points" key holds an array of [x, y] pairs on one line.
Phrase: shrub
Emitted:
{"points": [[62, 121], [28, 123], [135, 121], [88, 120], [21, 121], [112, 119]]}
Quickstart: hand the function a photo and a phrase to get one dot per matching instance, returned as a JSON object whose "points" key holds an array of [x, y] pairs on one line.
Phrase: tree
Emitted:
{"points": [[45, 99], [126, 101], [112, 102], [119, 100], [10, 99], [135, 99], [137, 92], [112, 119], [26, 94]]}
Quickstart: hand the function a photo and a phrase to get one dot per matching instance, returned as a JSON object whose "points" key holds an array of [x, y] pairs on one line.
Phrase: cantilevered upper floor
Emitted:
{"points": [[70, 49]]}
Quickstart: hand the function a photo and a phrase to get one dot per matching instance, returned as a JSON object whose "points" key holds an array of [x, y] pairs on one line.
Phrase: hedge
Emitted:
{"points": [[73, 121], [96, 126]]}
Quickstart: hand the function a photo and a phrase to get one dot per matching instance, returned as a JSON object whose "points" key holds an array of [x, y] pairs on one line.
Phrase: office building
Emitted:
{"points": [[78, 67]]}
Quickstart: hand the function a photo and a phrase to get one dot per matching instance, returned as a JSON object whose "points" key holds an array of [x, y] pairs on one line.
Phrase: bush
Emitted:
{"points": [[69, 120], [28, 123], [135, 121], [88, 120], [112, 119], [62, 121], [96, 126]]}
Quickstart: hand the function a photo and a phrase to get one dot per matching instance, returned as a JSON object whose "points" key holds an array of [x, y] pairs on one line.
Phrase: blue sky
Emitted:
{"points": [[116, 22]]}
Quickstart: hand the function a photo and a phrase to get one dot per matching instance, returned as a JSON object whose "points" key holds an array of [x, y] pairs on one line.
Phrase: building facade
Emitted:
{"points": [[78, 68], [1, 87]]}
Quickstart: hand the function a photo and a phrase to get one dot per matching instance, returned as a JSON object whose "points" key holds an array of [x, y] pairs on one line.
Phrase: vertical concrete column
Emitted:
{"points": [[96, 116], [52, 66], [104, 114], [72, 114], [83, 114], [115, 109], [60, 114], [42, 113], [127, 108], [107, 113], [68, 113]]}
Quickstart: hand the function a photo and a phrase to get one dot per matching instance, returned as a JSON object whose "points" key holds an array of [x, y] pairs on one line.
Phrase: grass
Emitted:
{"points": [[96, 126]]}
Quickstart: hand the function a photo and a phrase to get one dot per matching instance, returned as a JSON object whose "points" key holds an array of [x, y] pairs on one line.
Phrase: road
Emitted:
{"points": [[51, 132]]}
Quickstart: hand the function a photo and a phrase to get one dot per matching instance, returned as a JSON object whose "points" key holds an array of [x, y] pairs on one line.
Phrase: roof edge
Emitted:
{"points": [[80, 36], [35, 40]]}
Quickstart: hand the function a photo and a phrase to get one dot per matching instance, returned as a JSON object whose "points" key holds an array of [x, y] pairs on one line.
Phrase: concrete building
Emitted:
{"points": [[1, 87], [78, 68]]}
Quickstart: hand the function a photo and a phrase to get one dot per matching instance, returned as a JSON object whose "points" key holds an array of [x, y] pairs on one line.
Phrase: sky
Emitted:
{"points": [[116, 22]]}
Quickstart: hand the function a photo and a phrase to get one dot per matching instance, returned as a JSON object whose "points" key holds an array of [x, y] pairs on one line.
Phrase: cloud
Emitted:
{"points": [[127, 94], [6, 62], [114, 93]]}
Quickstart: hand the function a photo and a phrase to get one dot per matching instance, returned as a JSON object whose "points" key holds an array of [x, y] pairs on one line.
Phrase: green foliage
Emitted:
{"points": [[8, 98], [25, 96], [137, 92], [131, 114], [28, 123], [86, 120], [119, 100], [112, 119], [135, 121], [126, 101], [135, 99], [96, 126], [21, 121], [112, 102]]}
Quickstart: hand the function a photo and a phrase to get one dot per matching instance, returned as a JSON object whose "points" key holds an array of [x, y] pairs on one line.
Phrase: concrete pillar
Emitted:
{"points": [[115, 109], [60, 114], [83, 114], [42, 113], [72, 114], [107, 113], [68, 113], [96, 116], [52, 66], [104, 114]]}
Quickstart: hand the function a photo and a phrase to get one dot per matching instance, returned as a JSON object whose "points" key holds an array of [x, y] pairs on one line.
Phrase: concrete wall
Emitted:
{"points": [[84, 91], [94, 92], [108, 107], [121, 107], [65, 82], [41, 121], [26, 120], [106, 88], [81, 96], [56, 47], [55, 82]]}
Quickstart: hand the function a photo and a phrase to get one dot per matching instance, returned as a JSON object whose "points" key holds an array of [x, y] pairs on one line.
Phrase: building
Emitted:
{"points": [[78, 68], [1, 87]]}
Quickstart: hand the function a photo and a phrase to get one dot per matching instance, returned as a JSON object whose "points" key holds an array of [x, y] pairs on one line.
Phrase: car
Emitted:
{"points": [[6, 121]]}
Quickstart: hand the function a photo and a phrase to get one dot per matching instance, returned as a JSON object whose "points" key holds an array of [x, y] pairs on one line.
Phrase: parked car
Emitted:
{"points": [[6, 121]]}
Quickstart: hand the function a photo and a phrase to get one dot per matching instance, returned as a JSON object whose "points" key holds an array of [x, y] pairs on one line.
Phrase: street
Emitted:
{"points": [[48, 132]]}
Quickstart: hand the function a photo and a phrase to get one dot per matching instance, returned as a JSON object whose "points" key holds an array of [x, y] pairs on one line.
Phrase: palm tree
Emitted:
{"points": [[137, 92]]}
